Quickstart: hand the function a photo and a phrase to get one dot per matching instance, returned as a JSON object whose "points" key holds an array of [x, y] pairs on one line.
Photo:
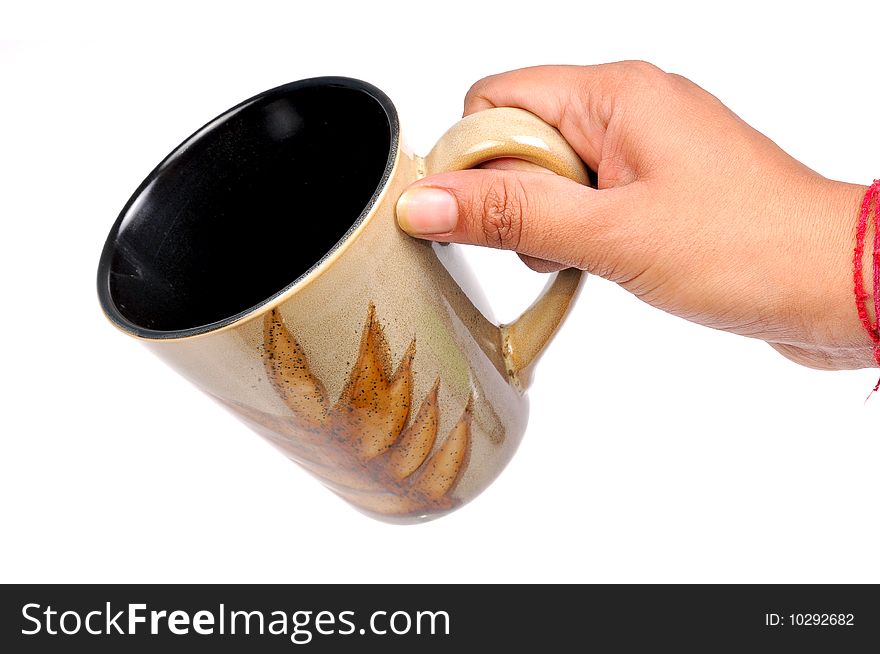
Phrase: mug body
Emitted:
{"points": [[262, 260]]}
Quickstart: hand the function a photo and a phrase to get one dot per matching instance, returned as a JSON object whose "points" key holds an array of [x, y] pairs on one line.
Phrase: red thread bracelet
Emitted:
{"points": [[872, 197]]}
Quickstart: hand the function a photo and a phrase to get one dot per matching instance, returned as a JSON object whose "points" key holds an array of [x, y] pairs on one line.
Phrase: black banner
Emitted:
{"points": [[436, 618]]}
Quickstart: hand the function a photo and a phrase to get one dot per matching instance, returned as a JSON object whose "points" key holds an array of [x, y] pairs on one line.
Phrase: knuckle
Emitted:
{"points": [[504, 207], [646, 87], [681, 85], [477, 90], [644, 69], [643, 77]]}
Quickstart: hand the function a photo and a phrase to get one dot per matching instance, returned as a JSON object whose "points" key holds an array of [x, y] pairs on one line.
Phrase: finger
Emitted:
{"points": [[509, 163], [541, 265], [576, 100], [512, 163], [542, 216], [507, 90]]}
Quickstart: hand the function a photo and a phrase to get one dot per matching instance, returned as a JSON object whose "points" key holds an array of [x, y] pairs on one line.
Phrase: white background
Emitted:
{"points": [[657, 450]]}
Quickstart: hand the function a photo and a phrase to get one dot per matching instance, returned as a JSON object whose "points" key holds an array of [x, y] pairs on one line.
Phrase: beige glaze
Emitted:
{"points": [[377, 372]]}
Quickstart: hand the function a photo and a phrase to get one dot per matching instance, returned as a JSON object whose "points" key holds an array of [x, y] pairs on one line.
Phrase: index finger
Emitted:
{"points": [[576, 100]]}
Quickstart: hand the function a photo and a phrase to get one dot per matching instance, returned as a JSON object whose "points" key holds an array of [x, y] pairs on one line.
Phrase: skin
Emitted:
{"points": [[696, 212]]}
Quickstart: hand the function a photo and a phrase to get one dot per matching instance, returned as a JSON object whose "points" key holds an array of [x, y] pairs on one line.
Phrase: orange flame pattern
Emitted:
{"points": [[362, 447]]}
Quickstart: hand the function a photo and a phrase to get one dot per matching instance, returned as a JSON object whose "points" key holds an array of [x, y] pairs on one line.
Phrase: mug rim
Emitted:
{"points": [[105, 297]]}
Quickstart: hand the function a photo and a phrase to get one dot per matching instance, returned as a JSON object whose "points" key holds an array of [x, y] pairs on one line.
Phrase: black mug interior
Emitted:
{"points": [[246, 206]]}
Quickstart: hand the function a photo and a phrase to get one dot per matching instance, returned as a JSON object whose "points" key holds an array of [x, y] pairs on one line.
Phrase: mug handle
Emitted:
{"points": [[510, 132]]}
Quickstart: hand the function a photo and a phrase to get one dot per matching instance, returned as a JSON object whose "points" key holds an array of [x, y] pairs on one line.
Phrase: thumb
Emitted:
{"points": [[542, 216]]}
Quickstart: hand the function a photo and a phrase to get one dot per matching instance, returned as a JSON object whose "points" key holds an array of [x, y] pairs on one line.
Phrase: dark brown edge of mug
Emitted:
{"points": [[104, 296]]}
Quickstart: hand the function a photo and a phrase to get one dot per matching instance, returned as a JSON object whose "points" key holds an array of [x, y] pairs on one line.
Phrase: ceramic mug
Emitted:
{"points": [[262, 260]]}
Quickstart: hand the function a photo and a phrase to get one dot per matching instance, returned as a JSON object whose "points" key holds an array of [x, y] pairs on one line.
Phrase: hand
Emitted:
{"points": [[695, 213]]}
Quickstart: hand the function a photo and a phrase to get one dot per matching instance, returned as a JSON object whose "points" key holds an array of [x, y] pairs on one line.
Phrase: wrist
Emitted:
{"points": [[827, 272]]}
